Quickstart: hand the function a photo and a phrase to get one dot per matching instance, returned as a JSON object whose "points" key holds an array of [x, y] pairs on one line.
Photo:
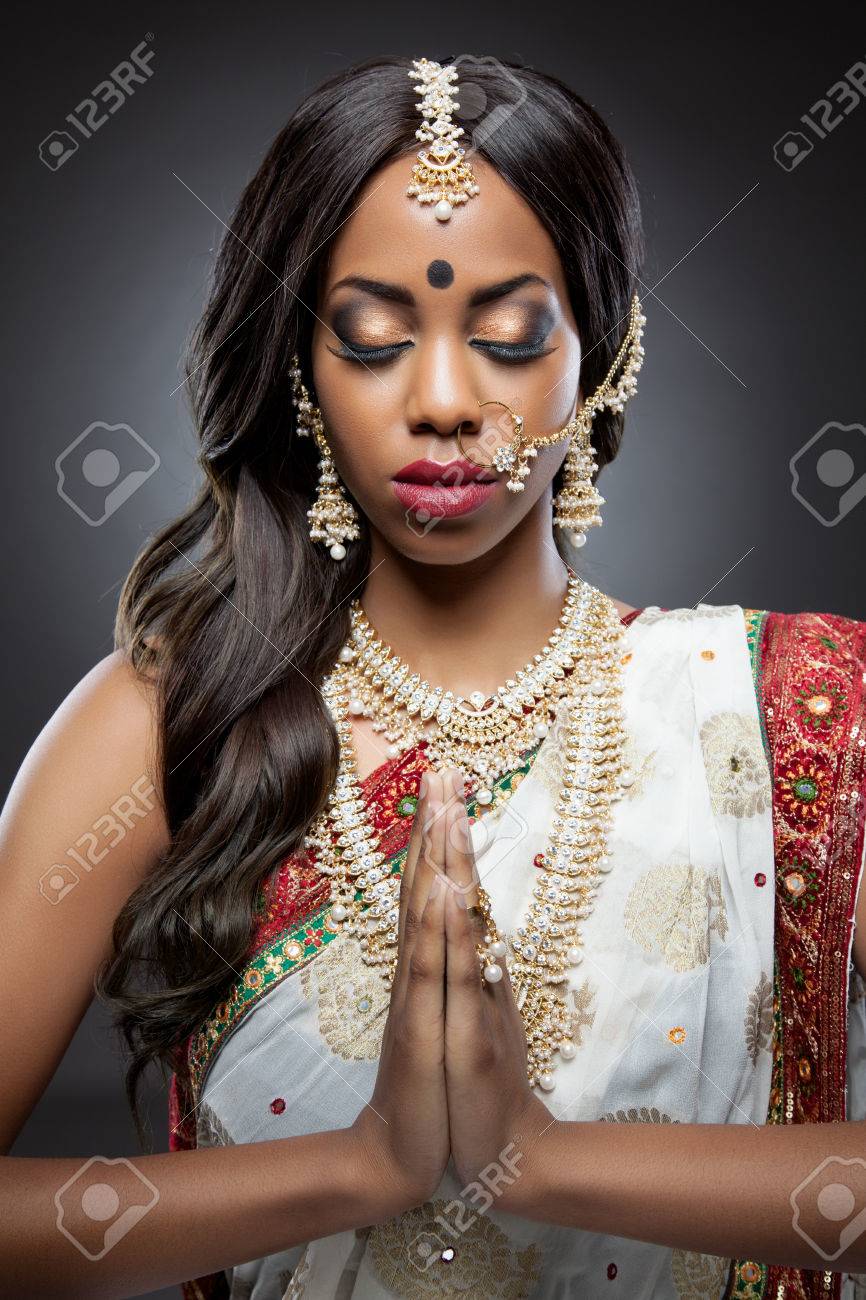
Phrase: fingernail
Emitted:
{"points": [[422, 786], [458, 781], [461, 899]]}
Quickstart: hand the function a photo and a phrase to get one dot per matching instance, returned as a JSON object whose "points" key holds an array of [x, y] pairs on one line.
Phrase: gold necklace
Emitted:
{"points": [[365, 891], [484, 735]]}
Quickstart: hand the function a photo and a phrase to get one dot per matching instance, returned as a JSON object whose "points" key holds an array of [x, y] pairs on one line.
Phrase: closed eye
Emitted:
{"points": [[508, 353]]}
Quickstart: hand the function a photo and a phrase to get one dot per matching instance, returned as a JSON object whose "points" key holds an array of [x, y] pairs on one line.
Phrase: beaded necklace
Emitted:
{"points": [[365, 891]]}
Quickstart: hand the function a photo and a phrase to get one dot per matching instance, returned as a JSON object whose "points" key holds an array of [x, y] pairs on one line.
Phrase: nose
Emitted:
{"points": [[443, 400]]}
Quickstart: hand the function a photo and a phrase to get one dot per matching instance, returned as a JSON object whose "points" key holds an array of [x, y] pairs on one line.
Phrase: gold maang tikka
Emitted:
{"points": [[442, 175], [577, 503]]}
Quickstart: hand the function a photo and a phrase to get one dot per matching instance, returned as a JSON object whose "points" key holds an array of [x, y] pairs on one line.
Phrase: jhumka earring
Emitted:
{"points": [[577, 503], [441, 175], [333, 518]]}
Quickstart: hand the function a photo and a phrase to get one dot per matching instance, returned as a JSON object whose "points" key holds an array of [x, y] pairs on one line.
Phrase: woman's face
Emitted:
{"points": [[441, 316]]}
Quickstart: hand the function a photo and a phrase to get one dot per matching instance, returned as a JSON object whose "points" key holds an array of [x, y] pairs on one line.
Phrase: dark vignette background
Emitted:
{"points": [[753, 293]]}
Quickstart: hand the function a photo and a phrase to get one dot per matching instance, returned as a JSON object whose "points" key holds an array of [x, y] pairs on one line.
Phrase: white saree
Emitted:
{"points": [[674, 996]]}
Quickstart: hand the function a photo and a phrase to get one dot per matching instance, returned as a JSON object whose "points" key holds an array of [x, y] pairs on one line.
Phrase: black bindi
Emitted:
{"points": [[440, 274]]}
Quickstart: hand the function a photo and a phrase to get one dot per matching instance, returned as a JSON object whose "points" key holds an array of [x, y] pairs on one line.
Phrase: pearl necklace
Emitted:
{"points": [[365, 891], [485, 736]]}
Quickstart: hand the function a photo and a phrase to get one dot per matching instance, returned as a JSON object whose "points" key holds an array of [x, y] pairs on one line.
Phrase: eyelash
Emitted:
{"points": [[507, 353]]}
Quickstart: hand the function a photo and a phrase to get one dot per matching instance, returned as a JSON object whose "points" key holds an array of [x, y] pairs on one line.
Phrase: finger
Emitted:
{"points": [[460, 864], [407, 876], [431, 849], [424, 998]]}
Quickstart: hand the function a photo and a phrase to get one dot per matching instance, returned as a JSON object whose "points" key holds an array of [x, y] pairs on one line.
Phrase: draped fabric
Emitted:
{"points": [[714, 986]]}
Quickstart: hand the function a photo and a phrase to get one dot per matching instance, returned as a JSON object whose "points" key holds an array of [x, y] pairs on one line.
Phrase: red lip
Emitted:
{"points": [[426, 502], [450, 473]]}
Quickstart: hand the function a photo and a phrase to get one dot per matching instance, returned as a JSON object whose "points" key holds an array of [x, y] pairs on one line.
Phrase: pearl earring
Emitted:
{"points": [[333, 518]]}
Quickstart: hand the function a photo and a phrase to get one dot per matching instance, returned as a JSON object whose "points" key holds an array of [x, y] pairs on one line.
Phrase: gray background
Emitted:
{"points": [[754, 336]]}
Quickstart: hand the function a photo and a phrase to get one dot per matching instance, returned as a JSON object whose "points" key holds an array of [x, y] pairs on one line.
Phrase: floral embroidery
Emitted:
{"points": [[677, 1035], [758, 1021], [696, 1276], [820, 702], [672, 909], [419, 1257], [818, 832], [804, 786], [352, 1001], [583, 999], [798, 881], [737, 773]]}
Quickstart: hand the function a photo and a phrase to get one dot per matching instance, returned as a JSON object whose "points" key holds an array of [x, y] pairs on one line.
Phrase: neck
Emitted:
{"points": [[470, 625]]}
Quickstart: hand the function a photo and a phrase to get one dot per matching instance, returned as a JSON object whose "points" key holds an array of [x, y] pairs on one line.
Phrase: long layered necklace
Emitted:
{"points": [[582, 671]]}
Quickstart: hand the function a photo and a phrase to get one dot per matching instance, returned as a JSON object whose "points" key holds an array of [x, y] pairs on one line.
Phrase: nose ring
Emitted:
{"points": [[517, 425]]}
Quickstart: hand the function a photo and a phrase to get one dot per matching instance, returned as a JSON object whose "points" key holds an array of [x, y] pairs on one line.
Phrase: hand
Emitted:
{"points": [[494, 1117], [404, 1130]]}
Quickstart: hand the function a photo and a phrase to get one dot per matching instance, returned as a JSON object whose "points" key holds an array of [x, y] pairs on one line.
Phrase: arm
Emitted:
{"points": [[722, 1189], [84, 781], [216, 1207]]}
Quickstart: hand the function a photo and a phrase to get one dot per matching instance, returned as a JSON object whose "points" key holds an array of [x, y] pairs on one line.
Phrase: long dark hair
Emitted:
{"points": [[230, 609]]}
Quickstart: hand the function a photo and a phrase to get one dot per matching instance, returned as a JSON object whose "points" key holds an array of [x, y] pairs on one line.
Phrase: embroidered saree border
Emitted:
{"points": [[808, 670]]}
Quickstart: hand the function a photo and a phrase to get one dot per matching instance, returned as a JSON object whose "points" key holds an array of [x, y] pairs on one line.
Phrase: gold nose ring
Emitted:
{"points": [[517, 424]]}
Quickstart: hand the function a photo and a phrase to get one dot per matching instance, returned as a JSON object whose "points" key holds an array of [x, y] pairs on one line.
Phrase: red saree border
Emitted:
{"points": [[809, 678]]}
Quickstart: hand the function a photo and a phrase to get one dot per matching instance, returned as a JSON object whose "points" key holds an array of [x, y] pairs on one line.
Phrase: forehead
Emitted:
{"points": [[392, 236]]}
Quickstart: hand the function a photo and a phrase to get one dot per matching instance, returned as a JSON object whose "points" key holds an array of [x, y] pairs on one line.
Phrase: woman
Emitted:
{"points": [[506, 983]]}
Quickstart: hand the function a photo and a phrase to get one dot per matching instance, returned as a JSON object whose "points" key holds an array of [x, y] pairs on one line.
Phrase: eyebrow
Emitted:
{"points": [[399, 293]]}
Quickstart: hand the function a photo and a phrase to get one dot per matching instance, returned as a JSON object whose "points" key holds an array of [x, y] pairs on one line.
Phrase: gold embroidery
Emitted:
{"points": [[641, 764], [671, 911], [583, 999], [698, 1277], [758, 1021], [352, 1000], [737, 773], [433, 1252]]}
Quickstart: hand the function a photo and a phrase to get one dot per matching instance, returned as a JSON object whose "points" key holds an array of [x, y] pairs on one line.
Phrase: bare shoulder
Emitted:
{"points": [[81, 828]]}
